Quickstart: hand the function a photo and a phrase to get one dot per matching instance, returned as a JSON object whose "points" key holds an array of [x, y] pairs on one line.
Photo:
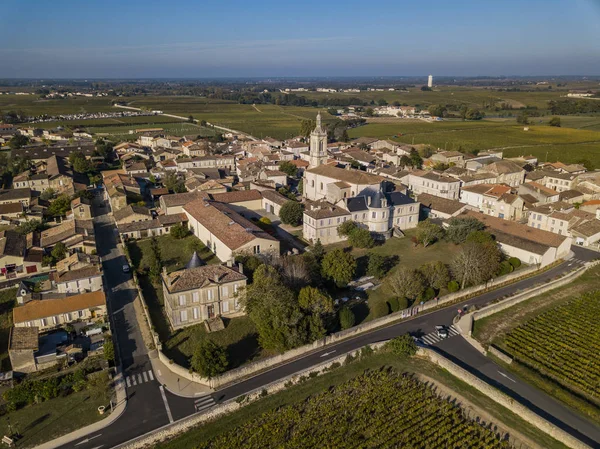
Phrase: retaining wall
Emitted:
{"points": [[504, 400]]}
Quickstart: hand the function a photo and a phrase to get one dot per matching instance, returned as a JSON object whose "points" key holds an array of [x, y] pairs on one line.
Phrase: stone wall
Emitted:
{"points": [[504, 400]]}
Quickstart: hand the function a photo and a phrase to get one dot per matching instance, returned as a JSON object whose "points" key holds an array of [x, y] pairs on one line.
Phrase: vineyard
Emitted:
{"points": [[374, 410], [563, 344]]}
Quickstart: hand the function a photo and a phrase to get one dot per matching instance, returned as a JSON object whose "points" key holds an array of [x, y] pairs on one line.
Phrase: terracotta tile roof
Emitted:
{"points": [[49, 307], [225, 224], [130, 210], [65, 230], [433, 176], [541, 188], [478, 188], [275, 197], [349, 176], [497, 190], [13, 195], [198, 277], [23, 338], [11, 208], [438, 203], [237, 196], [516, 234], [179, 199], [503, 167]]}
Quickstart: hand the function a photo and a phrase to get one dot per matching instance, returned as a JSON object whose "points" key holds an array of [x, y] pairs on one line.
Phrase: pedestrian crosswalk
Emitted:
{"points": [[139, 378], [576, 262], [433, 338], [203, 403]]}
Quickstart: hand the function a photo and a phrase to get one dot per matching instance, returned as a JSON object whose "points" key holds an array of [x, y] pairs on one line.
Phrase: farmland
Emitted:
{"points": [[566, 144], [378, 408], [562, 344]]}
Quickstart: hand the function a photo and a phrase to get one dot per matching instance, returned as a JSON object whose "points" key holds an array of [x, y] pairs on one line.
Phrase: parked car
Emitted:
{"points": [[126, 268]]}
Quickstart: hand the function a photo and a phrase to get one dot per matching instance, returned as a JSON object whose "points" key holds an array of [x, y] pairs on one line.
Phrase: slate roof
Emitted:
{"points": [[194, 278]]}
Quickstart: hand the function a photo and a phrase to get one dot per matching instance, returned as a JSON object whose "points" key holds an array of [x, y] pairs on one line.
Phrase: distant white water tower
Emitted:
{"points": [[430, 81]]}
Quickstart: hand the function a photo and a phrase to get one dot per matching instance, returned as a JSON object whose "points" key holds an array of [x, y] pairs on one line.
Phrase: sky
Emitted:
{"points": [[231, 38]]}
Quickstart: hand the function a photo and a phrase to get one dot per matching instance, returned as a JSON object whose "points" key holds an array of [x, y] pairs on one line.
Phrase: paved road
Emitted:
{"points": [[150, 407]]}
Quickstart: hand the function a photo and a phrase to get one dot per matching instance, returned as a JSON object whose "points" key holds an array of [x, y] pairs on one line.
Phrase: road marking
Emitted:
{"points": [[133, 382], [150, 375], [164, 397], [159, 373], [145, 376], [128, 382], [87, 440], [98, 447], [140, 378], [504, 375], [204, 403], [325, 354]]}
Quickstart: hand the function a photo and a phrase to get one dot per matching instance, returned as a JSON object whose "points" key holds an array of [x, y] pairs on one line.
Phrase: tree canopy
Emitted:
{"points": [[459, 228], [209, 359], [291, 213], [339, 266]]}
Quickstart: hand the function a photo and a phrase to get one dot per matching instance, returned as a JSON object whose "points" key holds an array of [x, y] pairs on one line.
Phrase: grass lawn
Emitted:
{"points": [[51, 419], [202, 434], [408, 255], [7, 302], [239, 336], [494, 328], [174, 253]]}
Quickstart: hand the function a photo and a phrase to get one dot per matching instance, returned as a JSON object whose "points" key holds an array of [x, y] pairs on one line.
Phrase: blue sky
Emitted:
{"points": [[205, 38]]}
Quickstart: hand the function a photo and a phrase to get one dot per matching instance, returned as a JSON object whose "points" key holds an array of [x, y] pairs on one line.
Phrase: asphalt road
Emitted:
{"points": [[149, 407]]}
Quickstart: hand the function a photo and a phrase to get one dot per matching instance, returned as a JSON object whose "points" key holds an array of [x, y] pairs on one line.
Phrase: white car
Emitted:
{"points": [[126, 268], [441, 331]]}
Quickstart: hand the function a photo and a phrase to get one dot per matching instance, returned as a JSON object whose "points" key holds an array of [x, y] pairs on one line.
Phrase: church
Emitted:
{"points": [[334, 195]]}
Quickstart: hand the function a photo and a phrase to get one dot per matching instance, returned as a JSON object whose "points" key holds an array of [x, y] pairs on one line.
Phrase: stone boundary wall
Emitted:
{"points": [[250, 369], [185, 424], [501, 355], [504, 400]]}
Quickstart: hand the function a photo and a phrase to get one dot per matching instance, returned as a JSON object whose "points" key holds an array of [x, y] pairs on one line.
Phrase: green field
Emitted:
{"points": [[32, 105], [545, 142]]}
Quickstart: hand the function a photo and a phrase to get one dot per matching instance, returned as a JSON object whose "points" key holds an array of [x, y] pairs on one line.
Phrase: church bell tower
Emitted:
{"points": [[318, 145]]}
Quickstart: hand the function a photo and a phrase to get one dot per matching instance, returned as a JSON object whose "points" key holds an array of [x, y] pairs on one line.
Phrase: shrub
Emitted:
{"points": [[361, 238], [505, 268], [393, 304], [209, 359], [515, 262], [378, 308], [346, 317], [453, 286], [291, 213], [403, 345], [178, 231], [428, 294]]}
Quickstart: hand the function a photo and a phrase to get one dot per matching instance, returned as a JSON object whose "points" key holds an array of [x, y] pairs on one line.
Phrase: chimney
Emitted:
{"points": [[230, 263], [165, 277], [368, 200], [241, 268]]}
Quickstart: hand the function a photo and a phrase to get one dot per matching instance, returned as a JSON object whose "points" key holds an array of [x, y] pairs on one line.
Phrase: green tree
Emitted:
{"points": [[288, 168], [79, 163], [554, 121], [406, 282], [155, 260], [30, 226], [60, 206], [274, 310], [369, 112], [428, 232], [415, 159], [460, 228], [393, 304], [301, 187], [377, 265], [523, 118], [453, 286], [109, 349], [18, 141], [346, 228], [361, 238], [48, 194], [59, 252], [315, 304], [174, 183], [291, 213], [436, 274], [306, 127], [437, 110], [404, 345], [191, 119], [318, 251], [339, 266], [346, 317], [209, 359], [515, 262], [178, 231]]}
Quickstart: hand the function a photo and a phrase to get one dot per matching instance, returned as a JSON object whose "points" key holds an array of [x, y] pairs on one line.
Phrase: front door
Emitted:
{"points": [[211, 311]]}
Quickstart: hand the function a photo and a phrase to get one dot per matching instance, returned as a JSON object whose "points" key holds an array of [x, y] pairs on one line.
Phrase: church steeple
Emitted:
{"points": [[318, 145]]}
